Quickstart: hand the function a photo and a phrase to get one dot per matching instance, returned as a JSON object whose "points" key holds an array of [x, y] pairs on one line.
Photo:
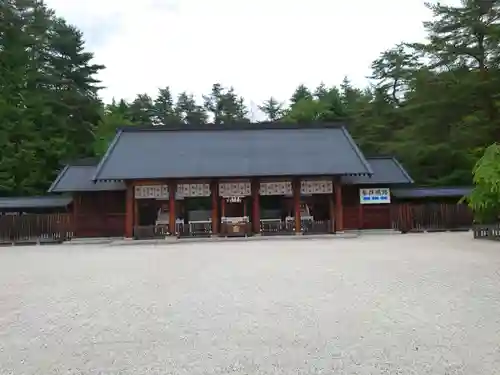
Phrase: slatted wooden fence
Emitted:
{"points": [[35, 228], [427, 217]]}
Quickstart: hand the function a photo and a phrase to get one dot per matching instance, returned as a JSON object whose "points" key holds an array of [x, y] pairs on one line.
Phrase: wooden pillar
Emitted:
{"points": [[214, 191], [136, 212], [129, 211], [339, 210], [256, 205], [76, 208], [172, 187], [222, 206], [223, 227], [331, 210], [296, 205]]}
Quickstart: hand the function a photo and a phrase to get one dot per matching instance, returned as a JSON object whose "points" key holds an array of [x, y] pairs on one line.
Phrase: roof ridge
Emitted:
{"points": [[233, 126]]}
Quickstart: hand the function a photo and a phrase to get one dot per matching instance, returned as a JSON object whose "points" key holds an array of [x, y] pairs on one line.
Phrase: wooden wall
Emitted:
{"points": [[99, 214], [364, 216]]}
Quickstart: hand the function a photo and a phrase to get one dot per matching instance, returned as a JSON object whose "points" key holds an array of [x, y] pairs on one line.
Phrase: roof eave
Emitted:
{"points": [[52, 188], [104, 159], [403, 170], [358, 152]]}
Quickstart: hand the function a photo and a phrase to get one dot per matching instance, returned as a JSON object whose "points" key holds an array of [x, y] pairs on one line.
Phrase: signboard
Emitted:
{"points": [[234, 199], [309, 187], [234, 189], [276, 188], [193, 190], [375, 196], [151, 192]]}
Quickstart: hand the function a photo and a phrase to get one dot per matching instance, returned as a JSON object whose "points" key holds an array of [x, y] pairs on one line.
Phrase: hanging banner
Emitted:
{"points": [[276, 188], [375, 196], [308, 187], [151, 192], [234, 189], [193, 190]]}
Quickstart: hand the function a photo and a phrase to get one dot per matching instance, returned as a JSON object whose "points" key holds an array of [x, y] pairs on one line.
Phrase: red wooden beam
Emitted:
{"points": [[129, 211], [339, 214]]}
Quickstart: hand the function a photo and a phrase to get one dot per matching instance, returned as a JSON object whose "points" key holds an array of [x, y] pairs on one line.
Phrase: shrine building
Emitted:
{"points": [[231, 180]]}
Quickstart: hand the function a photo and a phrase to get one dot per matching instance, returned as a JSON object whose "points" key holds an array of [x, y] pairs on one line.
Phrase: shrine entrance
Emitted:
{"points": [[235, 201]]}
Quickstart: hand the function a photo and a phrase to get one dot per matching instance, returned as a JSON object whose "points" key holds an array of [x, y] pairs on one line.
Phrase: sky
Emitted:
{"points": [[262, 48]]}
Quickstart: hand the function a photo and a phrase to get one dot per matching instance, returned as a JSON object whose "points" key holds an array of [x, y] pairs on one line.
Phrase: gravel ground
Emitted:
{"points": [[378, 304]]}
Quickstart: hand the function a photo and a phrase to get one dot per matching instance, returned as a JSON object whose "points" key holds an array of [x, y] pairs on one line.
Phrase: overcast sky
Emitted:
{"points": [[261, 47]]}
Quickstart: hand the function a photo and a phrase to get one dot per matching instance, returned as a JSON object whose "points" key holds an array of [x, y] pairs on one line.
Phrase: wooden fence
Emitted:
{"points": [[35, 228], [427, 217]]}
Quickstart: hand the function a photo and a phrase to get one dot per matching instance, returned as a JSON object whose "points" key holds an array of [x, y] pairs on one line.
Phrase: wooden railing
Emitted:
{"points": [[35, 228], [408, 217], [487, 232], [145, 232], [194, 229], [317, 227], [240, 229], [270, 227]]}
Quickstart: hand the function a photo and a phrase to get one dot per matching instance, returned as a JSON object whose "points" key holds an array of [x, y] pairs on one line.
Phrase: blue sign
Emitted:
{"points": [[374, 196]]}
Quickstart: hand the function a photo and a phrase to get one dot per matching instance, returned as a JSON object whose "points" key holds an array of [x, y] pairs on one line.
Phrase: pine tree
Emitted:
{"points": [[272, 108], [188, 111], [225, 106], [141, 110], [164, 109]]}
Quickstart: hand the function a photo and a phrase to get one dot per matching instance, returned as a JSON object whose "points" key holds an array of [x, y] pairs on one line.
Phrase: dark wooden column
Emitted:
{"points": [[136, 213], [296, 204], [256, 205], [129, 211], [76, 208], [172, 187], [339, 210], [214, 191], [331, 210]]}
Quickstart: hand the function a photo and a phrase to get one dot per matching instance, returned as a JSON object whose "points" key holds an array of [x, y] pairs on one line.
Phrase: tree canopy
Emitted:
{"points": [[432, 104]]}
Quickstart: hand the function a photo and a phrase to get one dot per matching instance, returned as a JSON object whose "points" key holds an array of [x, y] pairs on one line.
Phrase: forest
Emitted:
{"points": [[433, 104]]}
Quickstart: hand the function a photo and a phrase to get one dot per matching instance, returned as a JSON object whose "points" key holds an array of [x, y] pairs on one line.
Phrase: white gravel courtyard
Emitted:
{"points": [[378, 304]]}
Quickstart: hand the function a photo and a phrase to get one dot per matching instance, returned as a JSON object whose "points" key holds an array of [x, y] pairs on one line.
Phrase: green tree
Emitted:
{"points": [[164, 108], [49, 96], [273, 109], [142, 110], [300, 93], [225, 106], [188, 111], [485, 197]]}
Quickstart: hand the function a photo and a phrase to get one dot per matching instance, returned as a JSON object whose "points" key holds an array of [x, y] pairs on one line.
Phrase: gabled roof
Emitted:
{"points": [[432, 192], [232, 151], [78, 177], [386, 170], [34, 202]]}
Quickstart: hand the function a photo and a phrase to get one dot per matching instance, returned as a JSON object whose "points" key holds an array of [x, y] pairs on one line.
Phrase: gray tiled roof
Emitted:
{"points": [[432, 192], [232, 152], [386, 170], [79, 178], [35, 202]]}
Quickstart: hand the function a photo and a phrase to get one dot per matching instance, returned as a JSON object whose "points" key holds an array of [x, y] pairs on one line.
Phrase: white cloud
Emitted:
{"points": [[261, 47]]}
